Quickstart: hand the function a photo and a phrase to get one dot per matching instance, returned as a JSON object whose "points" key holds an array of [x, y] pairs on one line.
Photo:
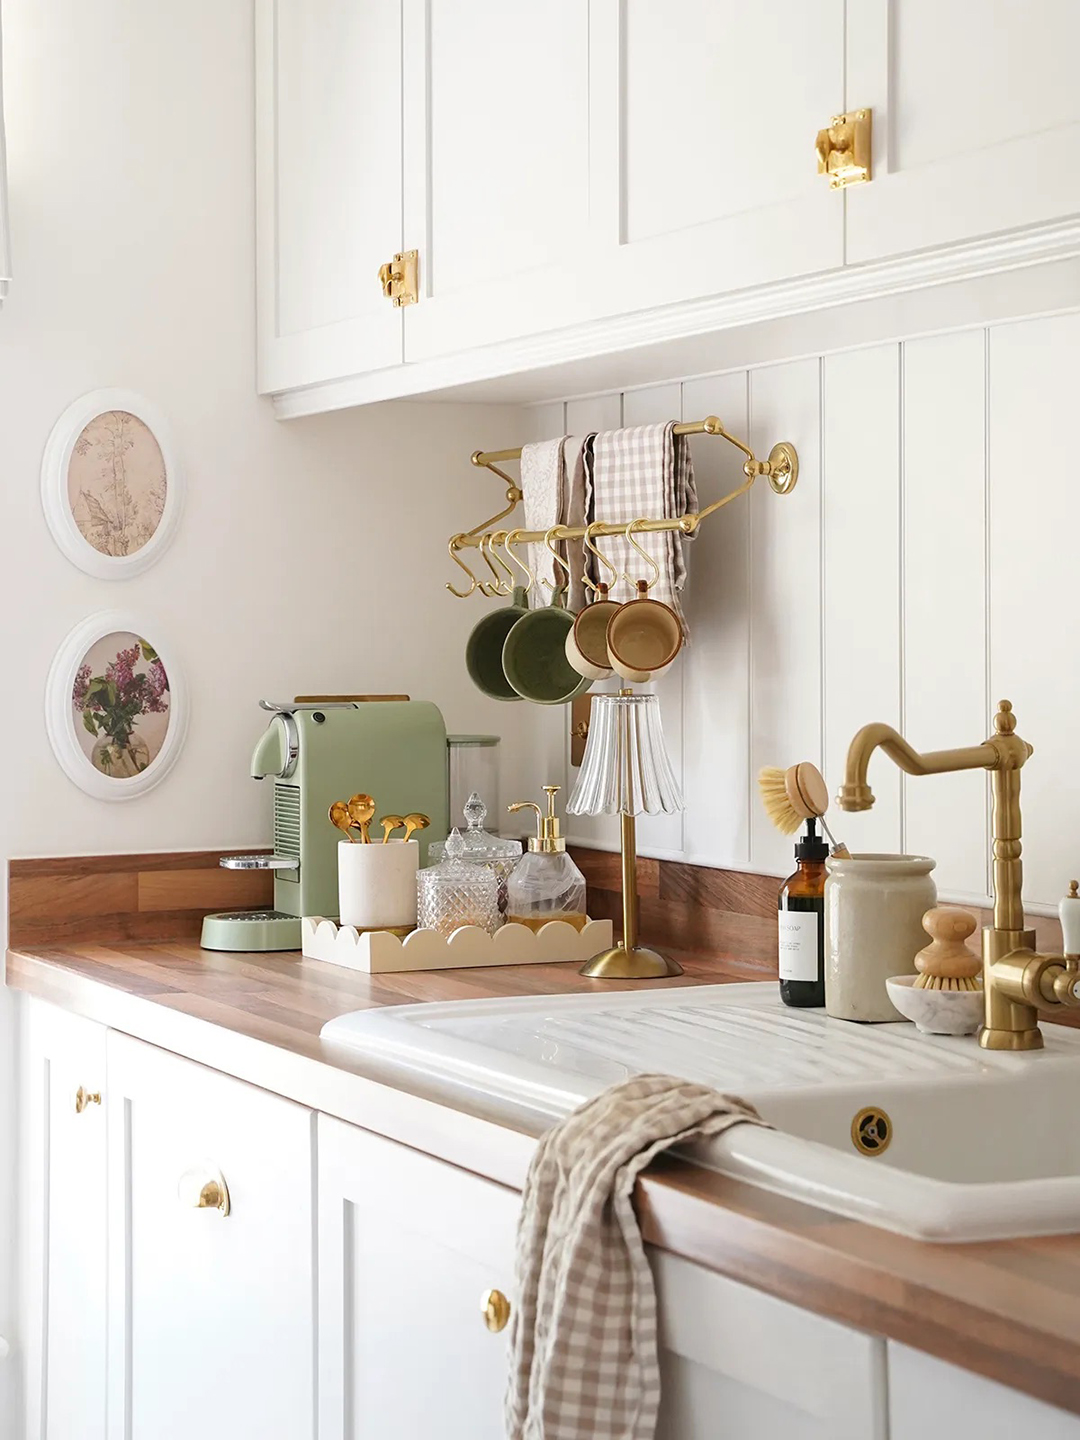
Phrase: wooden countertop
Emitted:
{"points": [[1009, 1310]]}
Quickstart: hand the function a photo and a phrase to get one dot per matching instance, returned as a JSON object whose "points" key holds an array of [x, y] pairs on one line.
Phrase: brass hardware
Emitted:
{"points": [[1018, 982], [414, 821], [548, 840], [844, 149], [495, 1308], [580, 712], [83, 1098], [781, 470], [361, 812], [871, 1131], [200, 1191], [400, 279]]}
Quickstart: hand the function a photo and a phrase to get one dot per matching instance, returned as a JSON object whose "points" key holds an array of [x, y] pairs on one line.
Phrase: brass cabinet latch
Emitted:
{"points": [[843, 150], [400, 279]]}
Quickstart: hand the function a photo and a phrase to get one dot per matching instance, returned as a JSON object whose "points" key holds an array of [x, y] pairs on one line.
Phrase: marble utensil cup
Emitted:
{"points": [[643, 636], [377, 884], [874, 906], [534, 657], [484, 647]]}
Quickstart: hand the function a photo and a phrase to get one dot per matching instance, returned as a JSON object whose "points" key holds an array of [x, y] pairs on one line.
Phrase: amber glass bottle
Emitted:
{"points": [[802, 924]]}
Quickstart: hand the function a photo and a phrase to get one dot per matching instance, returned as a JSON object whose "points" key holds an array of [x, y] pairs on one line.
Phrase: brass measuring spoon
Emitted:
{"points": [[415, 821], [389, 824], [361, 813], [339, 816]]}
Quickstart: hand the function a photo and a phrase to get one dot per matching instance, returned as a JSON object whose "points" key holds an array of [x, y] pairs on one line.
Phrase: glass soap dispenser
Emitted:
{"points": [[546, 884]]}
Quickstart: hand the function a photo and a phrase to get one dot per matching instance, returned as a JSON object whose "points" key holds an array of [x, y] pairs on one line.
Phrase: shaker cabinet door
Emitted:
{"points": [[976, 119], [704, 115], [408, 1247], [328, 171], [211, 1314]]}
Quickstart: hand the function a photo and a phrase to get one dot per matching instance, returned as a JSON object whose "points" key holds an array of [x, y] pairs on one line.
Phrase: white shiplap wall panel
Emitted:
{"points": [[1034, 524], [944, 595], [716, 665], [861, 577], [661, 834], [785, 592]]}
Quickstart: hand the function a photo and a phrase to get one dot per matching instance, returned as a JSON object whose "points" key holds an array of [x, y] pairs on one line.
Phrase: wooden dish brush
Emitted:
{"points": [[947, 963], [795, 795]]}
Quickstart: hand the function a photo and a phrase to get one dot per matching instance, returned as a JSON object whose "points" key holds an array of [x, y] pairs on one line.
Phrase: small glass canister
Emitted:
{"points": [[874, 905], [456, 892], [472, 767], [482, 848]]}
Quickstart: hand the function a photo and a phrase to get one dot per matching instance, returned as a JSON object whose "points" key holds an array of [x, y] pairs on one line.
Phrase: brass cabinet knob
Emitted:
{"points": [[84, 1097], [203, 1191], [495, 1308]]}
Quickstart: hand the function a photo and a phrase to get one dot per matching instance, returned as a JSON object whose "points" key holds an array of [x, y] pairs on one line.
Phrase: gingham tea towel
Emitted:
{"points": [[542, 490], [643, 471], [583, 1339]]}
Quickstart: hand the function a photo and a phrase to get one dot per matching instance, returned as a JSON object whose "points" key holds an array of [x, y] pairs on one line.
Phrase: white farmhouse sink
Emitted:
{"points": [[983, 1144]]}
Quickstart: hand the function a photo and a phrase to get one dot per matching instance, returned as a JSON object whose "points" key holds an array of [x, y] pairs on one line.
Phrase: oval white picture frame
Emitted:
{"points": [[55, 465], [61, 718]]}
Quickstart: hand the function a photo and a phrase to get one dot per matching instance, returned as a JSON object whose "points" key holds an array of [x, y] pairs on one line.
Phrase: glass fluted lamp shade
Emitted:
{"points": [[626, 772], [625, 769]]}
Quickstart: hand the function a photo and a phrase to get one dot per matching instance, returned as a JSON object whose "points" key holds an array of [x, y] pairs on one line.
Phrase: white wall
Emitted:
{"points": [[921, 571], [306, 559]]}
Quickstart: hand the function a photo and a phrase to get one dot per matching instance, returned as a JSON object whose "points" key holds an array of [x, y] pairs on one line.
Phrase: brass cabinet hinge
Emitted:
{"points": [[843, 150], [400, 279]]}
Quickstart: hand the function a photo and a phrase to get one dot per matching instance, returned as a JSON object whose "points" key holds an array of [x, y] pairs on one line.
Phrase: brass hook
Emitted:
{"points": [[509, 540], [590, 545], [493, 554], [552, 584], [473, 581], [629, 533], [488, 587]]}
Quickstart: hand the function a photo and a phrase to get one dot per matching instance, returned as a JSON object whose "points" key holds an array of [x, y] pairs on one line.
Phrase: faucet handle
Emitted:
{"points": [[1069, 911]]}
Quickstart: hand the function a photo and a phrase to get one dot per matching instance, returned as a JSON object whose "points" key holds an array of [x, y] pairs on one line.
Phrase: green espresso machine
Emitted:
{"points": [[316, 751]]}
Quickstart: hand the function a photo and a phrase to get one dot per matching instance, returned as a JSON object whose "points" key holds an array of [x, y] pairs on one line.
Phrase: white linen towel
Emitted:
{"points": [[542, 491], [643, 471], [583, 1339], [574, 513]]}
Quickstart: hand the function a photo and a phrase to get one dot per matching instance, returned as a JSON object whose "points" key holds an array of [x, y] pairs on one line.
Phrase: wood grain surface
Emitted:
{"points": [[1007, 1310]]}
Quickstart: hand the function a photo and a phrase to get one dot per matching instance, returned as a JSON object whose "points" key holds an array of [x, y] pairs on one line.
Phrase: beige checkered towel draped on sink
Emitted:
{"points": [[583, 1340]]}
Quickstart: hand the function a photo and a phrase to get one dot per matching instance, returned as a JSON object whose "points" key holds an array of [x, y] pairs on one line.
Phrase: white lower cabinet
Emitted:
{"points": [[211, 1315], [65, 1277], [932, 1400]]}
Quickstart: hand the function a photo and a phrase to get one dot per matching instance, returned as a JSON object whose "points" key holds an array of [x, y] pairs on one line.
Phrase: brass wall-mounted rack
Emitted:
{"points": [[781, 470]]}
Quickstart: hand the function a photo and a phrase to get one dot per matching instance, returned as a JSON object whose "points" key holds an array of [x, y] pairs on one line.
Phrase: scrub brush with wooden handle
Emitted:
{"points": [[947, 963], [795, 795]]}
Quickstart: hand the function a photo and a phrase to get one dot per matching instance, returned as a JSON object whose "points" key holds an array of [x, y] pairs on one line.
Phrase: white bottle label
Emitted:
{"points": [[798, 945]]}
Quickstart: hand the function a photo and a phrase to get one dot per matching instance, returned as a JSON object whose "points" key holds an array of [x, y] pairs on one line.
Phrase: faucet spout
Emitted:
{"points": [[855, 793]]}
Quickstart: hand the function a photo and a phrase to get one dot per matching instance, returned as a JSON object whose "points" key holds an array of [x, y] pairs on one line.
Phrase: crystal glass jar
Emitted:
{"points": [[457, 892], [483, 848]]}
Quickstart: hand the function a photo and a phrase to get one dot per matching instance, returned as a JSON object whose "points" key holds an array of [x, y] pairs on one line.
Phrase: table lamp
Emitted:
{"points": [[625, 771]]}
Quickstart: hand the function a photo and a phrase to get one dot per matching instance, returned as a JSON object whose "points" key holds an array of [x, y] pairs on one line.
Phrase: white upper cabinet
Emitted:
{"points": [[976, 119], [329, 171], [496, 105], [703, 115]]}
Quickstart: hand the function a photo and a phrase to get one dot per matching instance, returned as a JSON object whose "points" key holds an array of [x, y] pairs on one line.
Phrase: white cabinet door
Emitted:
{"points": [[496, 112], [64, 1078], [328, 142], [704, 115], [932, 1400], [744, 1365], [211, 1316], [976, 119], [407, 1247]]}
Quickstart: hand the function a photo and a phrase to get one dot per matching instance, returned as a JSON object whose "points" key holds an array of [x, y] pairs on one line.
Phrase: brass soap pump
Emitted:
{"points": [[545, 884]]}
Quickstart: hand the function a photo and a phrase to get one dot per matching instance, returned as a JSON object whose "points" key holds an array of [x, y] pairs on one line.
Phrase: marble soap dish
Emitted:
{"points": [[937, 1012], [377, 952]]}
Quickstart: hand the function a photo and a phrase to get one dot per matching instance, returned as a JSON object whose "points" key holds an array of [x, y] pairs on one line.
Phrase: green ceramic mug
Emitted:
{"points": [[484, 647], [534, 656]]}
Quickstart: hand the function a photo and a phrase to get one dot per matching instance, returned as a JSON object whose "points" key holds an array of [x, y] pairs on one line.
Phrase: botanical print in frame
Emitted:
{"points": [[115, 706], [111, 485]]}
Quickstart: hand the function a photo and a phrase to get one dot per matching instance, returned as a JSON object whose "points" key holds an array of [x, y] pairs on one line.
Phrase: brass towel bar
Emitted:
{"points": [[781, 470]]}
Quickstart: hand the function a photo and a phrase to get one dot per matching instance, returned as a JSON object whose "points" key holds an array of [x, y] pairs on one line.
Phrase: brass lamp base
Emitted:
{"points": [[637, 963]]}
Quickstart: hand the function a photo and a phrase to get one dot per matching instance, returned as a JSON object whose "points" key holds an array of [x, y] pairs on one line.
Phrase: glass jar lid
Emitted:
{"points": [[479, 846]]}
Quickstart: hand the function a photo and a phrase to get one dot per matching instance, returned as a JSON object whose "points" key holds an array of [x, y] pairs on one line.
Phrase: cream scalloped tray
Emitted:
{"points": [[379, 953]]}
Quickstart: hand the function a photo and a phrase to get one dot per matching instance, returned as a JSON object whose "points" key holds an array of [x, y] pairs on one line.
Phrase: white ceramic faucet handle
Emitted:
{"points": [[1069, 910]]}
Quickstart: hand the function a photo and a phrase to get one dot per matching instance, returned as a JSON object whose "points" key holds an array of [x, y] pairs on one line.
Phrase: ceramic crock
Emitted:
{"points": [[874, 906]]}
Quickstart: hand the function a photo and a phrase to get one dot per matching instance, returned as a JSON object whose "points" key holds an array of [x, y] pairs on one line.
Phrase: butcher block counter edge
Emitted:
{"points": [[1009, 1310]]}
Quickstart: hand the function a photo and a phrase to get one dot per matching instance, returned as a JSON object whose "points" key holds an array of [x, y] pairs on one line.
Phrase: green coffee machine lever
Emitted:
{"points": [[313, 752]]}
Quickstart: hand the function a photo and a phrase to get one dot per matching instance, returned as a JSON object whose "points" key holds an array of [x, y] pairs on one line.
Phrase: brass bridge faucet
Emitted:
{"points": [[1018, 982]]}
